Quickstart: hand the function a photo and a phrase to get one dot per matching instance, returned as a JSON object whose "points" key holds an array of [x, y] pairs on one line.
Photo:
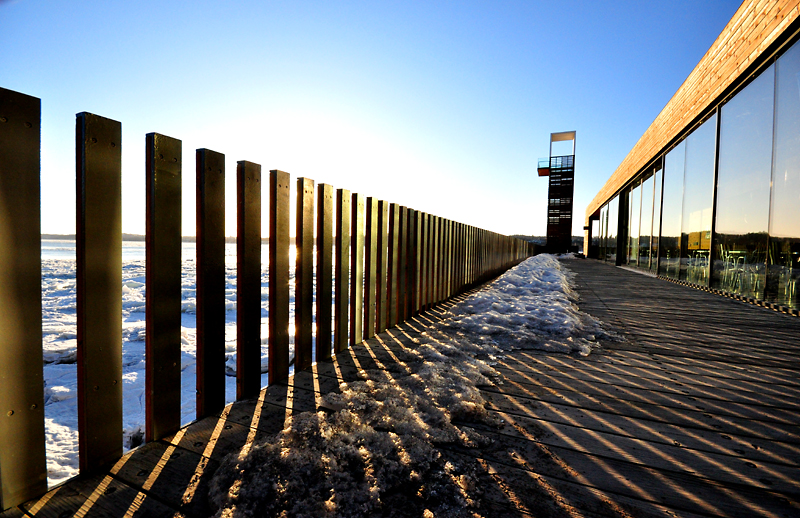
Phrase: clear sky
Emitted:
{"points": [[444, 107]]}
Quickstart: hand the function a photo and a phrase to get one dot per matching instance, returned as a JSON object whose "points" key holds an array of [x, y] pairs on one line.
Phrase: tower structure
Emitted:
{"points": [[560, 168]]}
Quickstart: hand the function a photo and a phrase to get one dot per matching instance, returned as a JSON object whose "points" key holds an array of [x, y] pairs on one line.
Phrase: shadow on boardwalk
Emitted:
{"points": [[695, 412]]}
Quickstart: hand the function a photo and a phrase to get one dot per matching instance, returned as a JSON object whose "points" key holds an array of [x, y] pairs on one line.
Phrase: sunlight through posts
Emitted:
{"points": [[324, 272], [304, 275], [210, 201], [357, 270], [23, 467], [342, 273], [279, 204], [248, 279], [370, 267], [98, 250], [163, 280]]}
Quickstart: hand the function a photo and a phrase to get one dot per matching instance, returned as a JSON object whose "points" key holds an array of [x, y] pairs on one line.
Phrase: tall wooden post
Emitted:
{"points": [[325, 205], [163, 280], [23, 469], [248, 279], [304, 275], [210, 198], [342, 273], [99, 289], [279, 204], [357, 271]]}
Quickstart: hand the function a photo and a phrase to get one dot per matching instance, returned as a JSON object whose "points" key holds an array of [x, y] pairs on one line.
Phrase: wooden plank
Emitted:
{"points": [[357, 270], [97, 495], [248, 279], [304, 275], [342, 273], [325, 207], [393, 265], [22, 437], [279, 204], [210, 198], [371, 268], [382, 286], [99, 289], [163, 280], [414, 262]]}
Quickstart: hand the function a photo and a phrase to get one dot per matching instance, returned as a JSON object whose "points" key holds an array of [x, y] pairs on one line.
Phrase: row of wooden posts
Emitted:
{"points": [[381, 263]]}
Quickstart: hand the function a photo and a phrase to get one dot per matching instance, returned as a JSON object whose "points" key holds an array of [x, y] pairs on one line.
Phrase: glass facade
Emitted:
{"points": [[743, 178], [784, 221], [634, 215], [738, 232], [698, 194], [611, 239], [646, 225], [671, 212], [658, 178]]}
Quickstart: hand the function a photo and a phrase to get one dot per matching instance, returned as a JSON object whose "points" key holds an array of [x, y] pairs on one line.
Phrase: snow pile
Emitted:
{"points": [[374, 451], [528, 307]]}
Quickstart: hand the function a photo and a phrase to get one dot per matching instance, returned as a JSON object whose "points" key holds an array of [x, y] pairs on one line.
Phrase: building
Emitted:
{"points": [[710, 194], [560, 168]]}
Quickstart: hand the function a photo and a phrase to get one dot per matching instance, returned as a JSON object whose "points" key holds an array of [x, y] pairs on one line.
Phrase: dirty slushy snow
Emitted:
{"points": [[375, 450]]}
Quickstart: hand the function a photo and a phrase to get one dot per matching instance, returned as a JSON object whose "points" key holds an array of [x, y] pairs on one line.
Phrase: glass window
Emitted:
{"points": [[657, 181], [646, 226], [611, 241], [671, 208], [743, 178], [603, 232], [697, 199], [784, 222], [634, 215]]}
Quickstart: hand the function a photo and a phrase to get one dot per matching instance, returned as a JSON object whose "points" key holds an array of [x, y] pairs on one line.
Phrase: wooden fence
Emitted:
{"points": [[389, 263]]}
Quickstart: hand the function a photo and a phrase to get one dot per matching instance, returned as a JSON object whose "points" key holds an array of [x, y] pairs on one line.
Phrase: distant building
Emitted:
{"points": [[560, 168], [710, 194]]}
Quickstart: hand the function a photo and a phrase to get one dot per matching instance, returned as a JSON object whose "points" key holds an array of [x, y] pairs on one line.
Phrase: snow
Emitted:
{"points": [[375, 451]]}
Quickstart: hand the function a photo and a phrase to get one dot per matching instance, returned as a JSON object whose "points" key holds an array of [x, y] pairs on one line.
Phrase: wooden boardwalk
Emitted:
{"points": [[694, 412]]}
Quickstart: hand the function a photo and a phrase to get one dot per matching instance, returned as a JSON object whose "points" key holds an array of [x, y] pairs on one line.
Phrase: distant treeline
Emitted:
{"points": [[139, 237]]}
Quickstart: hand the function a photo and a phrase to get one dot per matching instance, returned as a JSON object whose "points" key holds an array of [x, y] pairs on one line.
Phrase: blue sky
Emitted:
{"points": [[441, 106]]}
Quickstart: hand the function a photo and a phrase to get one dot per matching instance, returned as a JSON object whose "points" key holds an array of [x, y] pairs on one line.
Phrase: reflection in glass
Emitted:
{"points": [[697, 199], [611, 242], [646, 225], [784, 224], [657, 178], [671, 208], [634, 213], [745, 156]]}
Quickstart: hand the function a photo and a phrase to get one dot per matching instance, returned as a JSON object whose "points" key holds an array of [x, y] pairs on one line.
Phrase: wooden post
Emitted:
{"points": [[324, 271], [23, 469], [304, 275], [99, 289], [370, 268], [382, 287], [402, 266], [279, 205], [357, 271], [342, 273], [210, 198], [163, 281], [424, 245], [415, 250], [393, 265], [248, 280]]}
